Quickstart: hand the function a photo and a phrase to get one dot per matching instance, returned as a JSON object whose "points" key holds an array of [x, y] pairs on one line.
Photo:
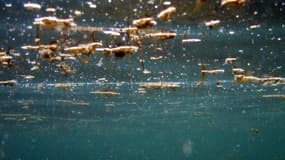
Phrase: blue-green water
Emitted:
{"points": [[235, 121]]}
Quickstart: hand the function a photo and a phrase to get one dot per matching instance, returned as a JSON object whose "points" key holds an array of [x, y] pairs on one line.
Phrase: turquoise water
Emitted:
{"points": [[236, 121]]}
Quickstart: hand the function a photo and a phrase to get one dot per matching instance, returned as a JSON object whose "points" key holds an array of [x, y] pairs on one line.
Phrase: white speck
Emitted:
{"points": [[167, 3], [91, 5], [275, 89], [100, 63], [145, 71], [191, 40], [276, 4], [231, 32], [150, 2], [78, 13], [8, 5]]}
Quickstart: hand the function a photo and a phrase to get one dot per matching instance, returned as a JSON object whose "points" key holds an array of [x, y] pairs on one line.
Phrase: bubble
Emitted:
{"points": [[187, 147]]}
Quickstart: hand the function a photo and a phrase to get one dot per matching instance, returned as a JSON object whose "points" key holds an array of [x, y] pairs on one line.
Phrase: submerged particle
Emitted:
{"points": [[231, 32], [238, 71], [112, 33], [52, 47], [213, 71], [8, 83], [63, 86], [157, 58], [272, 80], [191, 40], [264, 81], [232, 2], [205, 71], [144, 22], [51, 10], [246, 79], [91, 4], [84, 49], [35, 68], [161, 35], [121, 50], [166, 14], [230, 60], [53, 23], [219, 84], [280, 96], [146, 71], [78, 13], [167, 3], [8, 5], [254, 26], [65, 69], [212, 23], [141, 91], [66, 56], [78, 103], [27, 77], [5, 58], [254, 131], [159, 85], [105, 93], [32, 6]]}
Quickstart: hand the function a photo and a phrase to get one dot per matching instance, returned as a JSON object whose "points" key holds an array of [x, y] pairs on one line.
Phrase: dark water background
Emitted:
{"points": [[39, 121]]}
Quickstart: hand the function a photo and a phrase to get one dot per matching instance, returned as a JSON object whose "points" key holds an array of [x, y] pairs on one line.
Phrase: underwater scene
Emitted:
{"points": [[142, 79]]}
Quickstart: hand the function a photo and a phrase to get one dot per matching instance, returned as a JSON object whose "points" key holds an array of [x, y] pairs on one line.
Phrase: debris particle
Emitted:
{"points": [[32, 6]]}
